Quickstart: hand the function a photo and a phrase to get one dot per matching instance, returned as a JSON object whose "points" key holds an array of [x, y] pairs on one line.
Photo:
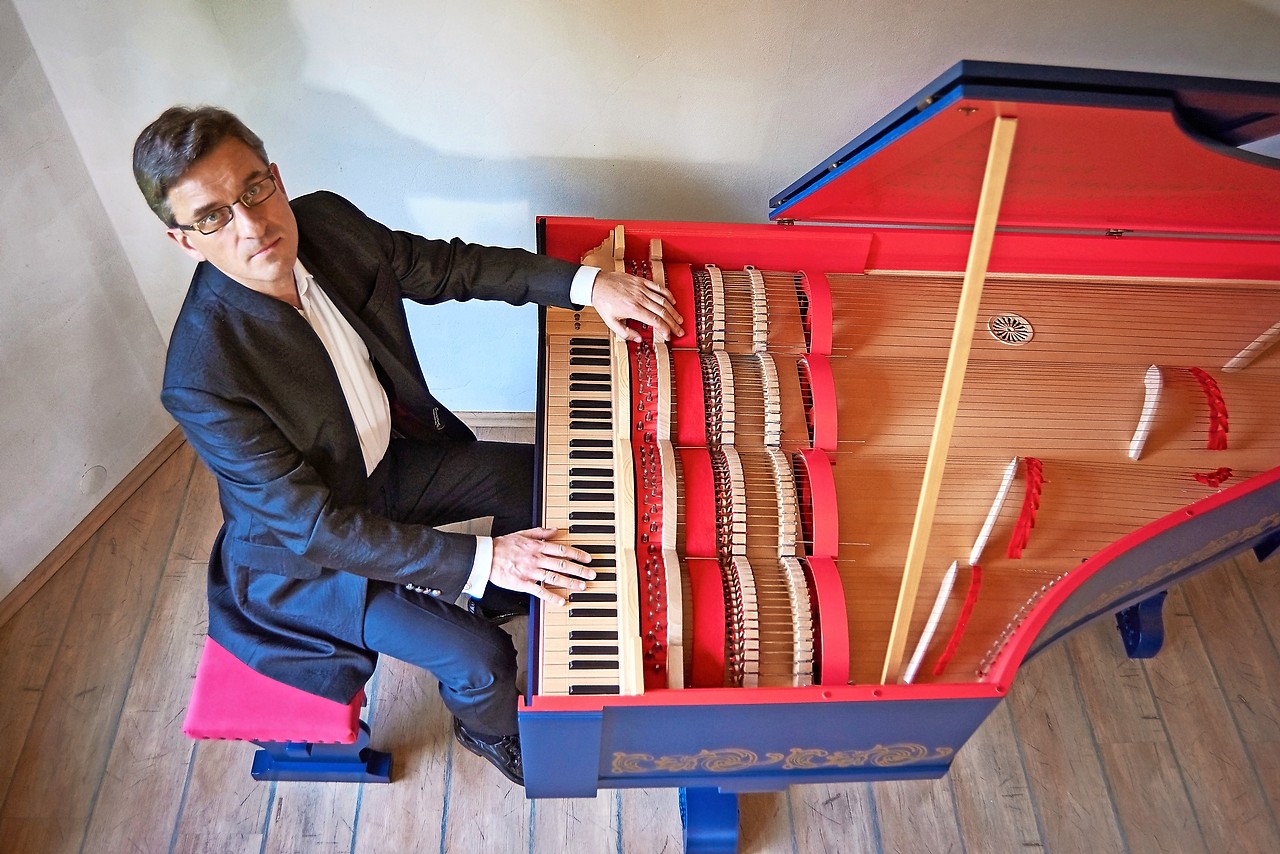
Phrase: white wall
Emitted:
{"points": [[80, 354], [471, 118]]}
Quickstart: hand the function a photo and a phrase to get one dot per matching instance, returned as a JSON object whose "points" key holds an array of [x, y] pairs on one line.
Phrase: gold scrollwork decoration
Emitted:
{"points": [[1209, 550], [797, 759]]}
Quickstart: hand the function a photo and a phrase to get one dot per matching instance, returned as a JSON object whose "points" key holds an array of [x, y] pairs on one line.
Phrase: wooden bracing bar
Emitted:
{"points": [[953, 381]]}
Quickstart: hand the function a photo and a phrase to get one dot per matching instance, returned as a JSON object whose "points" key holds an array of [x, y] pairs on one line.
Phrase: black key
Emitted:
{"points": [[589, 377], [590, 496], [590, 515], [593, 597], [591, 414], [604, 576], [581, 341], [591, 529], [587, 387], [591, 404], [592, 689], [590, 425], [606, 485], [593, 612], [593, 665], [593, 634], [593, 650], [601, 557], [589, 361], [591, 455], [587, 472], [590, 443]]}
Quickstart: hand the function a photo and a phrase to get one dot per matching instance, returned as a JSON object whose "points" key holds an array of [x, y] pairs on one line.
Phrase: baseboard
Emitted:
{"points": [[474, 420], [89, 525]]}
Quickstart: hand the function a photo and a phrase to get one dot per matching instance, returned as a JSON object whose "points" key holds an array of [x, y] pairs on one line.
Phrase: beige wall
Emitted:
{"points": [[80, 353]]}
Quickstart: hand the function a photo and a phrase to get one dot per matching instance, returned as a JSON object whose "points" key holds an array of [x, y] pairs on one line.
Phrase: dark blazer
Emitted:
{"points": [[257, 397]]}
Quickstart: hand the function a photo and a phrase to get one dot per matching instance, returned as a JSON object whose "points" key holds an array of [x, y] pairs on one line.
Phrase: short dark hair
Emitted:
{"points": [[167, 147]]}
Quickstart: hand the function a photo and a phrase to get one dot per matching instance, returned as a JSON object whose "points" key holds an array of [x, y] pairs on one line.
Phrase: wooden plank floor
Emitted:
{"points": [[1091, 752]]}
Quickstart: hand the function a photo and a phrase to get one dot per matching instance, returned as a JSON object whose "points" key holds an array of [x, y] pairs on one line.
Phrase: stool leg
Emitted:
{"points": [[322, 763]]}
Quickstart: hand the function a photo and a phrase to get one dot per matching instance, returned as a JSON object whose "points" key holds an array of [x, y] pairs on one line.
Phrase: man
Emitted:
{"points": [[292, 374]]}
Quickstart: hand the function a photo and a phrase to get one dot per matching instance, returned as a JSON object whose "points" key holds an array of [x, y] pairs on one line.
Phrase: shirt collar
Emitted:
{"points": [[301, 278]]}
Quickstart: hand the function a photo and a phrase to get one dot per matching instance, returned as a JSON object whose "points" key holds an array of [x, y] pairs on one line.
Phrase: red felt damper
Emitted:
{"points": [[1217, 440], [699, 503], [816, 376], [962, 623], [647, 466], [230, 700], [706, 586], [691, 411], [1034, 476], [817, 315], [832, 637], [1214, 478], [680, 283], [816, 488]]}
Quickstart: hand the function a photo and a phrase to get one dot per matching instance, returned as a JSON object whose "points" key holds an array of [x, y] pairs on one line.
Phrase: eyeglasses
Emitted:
{"points": [[219, 217]]}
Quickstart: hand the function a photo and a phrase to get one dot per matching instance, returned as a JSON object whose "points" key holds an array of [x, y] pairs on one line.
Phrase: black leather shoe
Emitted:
{"points": [[503, 754], [498, 616]]}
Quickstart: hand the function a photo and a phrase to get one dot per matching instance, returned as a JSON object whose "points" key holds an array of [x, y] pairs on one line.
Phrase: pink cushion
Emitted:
{"points": [[232, 701]]}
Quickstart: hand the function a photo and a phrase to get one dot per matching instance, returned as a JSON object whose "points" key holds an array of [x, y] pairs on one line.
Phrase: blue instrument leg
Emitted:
{"points": [[710, 819], [1142, 626], [1267, 547]]}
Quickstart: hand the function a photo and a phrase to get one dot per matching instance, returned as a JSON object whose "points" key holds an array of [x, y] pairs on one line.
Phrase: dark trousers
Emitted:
{"points": [[437, 484]]}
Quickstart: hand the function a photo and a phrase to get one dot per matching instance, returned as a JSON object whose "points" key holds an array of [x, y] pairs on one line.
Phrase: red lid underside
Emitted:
{"points": [[1072, 167]]}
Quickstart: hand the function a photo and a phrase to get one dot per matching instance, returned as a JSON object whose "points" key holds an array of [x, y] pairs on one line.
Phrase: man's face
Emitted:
{"points": [[259, 246]]}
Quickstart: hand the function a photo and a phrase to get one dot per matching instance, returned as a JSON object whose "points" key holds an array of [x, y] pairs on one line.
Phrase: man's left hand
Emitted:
{"points": [[619, 297]]}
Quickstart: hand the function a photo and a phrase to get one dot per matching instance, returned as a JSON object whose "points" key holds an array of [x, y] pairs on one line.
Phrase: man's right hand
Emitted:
{"points": [[619, 297], [526, 562]]}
